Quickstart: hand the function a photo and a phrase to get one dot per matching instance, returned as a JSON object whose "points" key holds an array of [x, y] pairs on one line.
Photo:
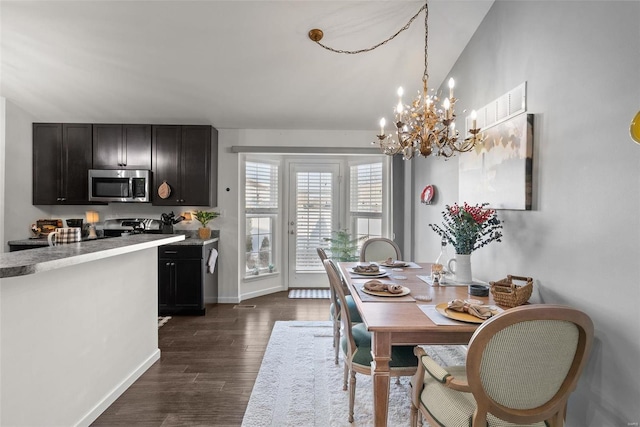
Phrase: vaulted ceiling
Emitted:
{"points": [[232, 64]]}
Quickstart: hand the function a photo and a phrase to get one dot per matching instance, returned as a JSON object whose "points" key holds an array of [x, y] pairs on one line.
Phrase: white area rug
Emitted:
{"points": [[309, 293], [299, 385], [163, 320]]}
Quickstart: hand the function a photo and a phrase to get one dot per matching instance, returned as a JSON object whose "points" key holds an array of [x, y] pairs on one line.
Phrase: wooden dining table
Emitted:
{"points": [[401, 321]]}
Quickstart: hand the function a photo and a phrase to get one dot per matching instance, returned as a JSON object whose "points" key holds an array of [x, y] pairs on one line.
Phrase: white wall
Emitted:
{"points": [[581, 240], [18, 211], [75, 338], [3, 127]]}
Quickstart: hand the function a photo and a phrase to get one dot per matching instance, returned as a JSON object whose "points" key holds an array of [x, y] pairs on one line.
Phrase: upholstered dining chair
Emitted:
{"points": [[379, 249], [356, 346], [521, 367], [334, 308]]}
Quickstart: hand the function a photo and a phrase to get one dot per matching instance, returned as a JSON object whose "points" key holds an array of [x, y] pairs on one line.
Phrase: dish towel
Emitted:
{"points": [[211, 262], [479, 311]]}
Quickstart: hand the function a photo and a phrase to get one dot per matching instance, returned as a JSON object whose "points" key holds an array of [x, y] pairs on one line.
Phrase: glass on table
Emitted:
{"points": [[437, 273]]}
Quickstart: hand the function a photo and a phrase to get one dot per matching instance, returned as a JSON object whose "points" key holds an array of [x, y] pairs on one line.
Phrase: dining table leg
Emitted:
{"points": [[381, 355]]}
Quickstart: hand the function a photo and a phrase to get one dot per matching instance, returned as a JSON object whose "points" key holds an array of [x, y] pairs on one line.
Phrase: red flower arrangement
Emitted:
{"points": [[468, 228]]}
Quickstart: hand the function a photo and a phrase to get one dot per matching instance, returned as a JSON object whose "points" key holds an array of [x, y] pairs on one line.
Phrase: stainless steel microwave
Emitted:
{"points": [[119, 185]]}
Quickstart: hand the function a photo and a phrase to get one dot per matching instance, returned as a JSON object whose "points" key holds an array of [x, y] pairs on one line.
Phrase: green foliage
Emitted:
{"points": [[205, 216], [468, 227], [342, 246]]}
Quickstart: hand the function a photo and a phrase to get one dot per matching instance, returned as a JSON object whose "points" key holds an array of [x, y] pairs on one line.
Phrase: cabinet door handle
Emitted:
{"points": [[170, 252]]}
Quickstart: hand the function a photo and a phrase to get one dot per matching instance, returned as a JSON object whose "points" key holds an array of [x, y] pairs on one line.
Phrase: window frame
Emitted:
{"points": [[262, 212], [385, 211]]}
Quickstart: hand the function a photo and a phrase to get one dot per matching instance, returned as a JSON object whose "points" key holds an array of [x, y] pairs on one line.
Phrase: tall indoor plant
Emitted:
{"points": [[204, 217], [342, 247]]}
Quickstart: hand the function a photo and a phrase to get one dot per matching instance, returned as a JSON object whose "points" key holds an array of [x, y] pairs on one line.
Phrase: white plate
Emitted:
{"points": [[405, 291], [381, 272]]}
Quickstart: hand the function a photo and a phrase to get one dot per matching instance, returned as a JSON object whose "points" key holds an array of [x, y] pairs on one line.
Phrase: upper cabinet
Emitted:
{"points": [[186, 158], [61, 162], [121, 146]]}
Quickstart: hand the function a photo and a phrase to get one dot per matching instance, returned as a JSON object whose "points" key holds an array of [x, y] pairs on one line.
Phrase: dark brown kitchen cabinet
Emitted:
{"points": [[126, 146], [185, 157], [61, 162], [183, 275]]}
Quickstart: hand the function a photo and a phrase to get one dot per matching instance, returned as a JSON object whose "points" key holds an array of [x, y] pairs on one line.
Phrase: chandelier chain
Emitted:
{"points": [[425, 76], [423, 127], [407, 25]]}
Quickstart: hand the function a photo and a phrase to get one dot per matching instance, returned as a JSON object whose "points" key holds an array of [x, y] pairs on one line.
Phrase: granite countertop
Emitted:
{"points": [[191, 239], [195, 241], [37, 260]]}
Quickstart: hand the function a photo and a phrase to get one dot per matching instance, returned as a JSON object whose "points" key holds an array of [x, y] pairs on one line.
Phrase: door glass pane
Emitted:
{"points": [[314, 208]]}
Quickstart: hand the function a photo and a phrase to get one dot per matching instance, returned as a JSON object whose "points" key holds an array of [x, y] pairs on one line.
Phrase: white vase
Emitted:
{"points": [[460, 266]]}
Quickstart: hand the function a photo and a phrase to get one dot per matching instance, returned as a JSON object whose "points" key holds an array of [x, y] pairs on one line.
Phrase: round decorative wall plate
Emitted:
{"points": [[427, 194]]}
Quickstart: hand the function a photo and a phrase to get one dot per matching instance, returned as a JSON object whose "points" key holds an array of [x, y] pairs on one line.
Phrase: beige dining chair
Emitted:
{"points": [[334, 308], [521, 367], [379, 249], [356, 346]]}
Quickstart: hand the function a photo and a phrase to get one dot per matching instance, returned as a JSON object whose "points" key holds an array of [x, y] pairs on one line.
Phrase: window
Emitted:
{"points": [[365, 199], [261, 208]]}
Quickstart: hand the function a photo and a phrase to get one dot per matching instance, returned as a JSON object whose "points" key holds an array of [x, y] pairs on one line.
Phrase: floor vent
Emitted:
{"points": [[244, 306]]}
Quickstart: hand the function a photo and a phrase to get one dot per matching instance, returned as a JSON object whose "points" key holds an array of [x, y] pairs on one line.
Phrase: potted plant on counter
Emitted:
{"points": [[204, 217]]}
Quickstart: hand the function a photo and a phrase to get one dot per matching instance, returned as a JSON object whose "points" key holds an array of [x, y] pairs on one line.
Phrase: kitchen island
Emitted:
{"points": [[78, 325]]}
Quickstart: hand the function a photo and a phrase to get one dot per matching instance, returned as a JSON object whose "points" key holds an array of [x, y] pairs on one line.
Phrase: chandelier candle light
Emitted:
{"points": [[423, 127]]}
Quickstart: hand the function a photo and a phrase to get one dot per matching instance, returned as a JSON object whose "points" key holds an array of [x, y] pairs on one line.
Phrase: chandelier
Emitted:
{"points": [[425, 126]]}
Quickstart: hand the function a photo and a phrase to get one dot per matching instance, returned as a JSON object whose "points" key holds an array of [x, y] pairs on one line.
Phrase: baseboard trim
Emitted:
{"points": [[261, 292], [118, 390], [228, 300]]}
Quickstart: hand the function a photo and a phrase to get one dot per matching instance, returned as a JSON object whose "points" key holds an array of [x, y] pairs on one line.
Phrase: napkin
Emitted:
{"points": [[371, 268], [378, 286], [476, 310], [389, 262]]}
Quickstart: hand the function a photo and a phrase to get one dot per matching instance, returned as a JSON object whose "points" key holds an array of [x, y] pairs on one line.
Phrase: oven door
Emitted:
{"points": [[110, 189]]}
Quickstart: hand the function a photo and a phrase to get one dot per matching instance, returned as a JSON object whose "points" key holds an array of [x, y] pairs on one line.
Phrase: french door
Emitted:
{"points": [[314, 212]]}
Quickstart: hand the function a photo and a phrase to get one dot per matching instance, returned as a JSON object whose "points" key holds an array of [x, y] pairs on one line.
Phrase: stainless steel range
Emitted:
{"points": [[120, 226]]}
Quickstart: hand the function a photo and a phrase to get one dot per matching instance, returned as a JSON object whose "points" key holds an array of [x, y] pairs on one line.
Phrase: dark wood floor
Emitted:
{"points": [[208, 364]]}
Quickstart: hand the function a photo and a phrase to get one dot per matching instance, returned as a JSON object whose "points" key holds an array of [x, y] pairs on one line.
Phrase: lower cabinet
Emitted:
{"points": [[183, 275]]}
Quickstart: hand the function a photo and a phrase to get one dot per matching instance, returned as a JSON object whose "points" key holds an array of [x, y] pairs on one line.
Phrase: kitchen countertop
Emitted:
{"points": [[195, 241], [191, 239], [47, 258]]}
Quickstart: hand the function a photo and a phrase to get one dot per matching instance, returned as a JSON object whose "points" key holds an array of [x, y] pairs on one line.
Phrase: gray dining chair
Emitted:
{"points": [[356, 345], [334, 307], [379, 249]]}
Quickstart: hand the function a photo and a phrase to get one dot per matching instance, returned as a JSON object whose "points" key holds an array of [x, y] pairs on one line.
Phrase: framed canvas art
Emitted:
{"points": [[498, 171]]}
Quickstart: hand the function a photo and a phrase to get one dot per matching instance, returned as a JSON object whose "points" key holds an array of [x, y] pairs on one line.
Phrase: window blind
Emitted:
{"points": [[261, 186], [314, 213], [366, 188]]}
